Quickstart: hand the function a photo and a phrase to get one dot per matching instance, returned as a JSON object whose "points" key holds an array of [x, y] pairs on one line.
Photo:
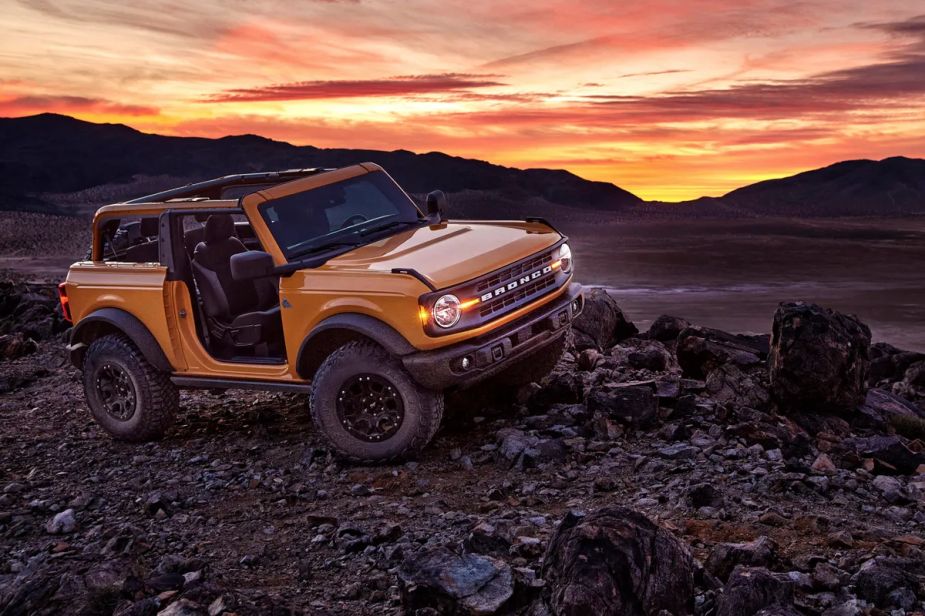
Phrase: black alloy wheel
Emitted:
{"points": [[116, 391], [370, 408]]}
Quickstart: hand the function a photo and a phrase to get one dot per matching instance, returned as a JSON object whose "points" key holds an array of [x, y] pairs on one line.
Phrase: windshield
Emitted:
{"points": [[338, 214]]}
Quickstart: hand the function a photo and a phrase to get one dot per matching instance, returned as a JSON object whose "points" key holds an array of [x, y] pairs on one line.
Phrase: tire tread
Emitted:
{"points": [[160, 396], [432, 401]]}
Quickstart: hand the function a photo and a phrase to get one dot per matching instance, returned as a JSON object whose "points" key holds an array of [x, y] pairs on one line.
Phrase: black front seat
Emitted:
{"points": [[242, 315]]}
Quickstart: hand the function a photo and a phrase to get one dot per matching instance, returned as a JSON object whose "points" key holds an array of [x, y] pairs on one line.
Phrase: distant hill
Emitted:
{"points": [[891, 186], [56, 163], [51, 153]]}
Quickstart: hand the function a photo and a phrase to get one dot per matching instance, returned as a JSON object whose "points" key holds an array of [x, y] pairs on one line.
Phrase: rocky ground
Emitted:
{"points": [[680, 470]]}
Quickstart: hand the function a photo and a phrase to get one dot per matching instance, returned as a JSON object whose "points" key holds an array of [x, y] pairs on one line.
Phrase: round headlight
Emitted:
{"points": [[446, 311], [565, 258]]}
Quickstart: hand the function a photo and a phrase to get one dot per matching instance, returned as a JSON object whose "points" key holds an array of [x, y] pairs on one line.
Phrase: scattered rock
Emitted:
{"points": [[890, 488], [631, 404], [888, 582], [727, 556], [823, 465], [13, 346], [678, 451], [891, 450], [601, 324], [588, 359], [752, 590], [450, 583], [881, 408], [701, 350], [666, 328], [729, 384], [705, 495], [63, 523], [182, 607]]}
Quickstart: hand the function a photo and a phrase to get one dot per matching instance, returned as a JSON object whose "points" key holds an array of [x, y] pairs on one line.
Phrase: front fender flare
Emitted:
{"points": [[353, 325], [107, 320]]}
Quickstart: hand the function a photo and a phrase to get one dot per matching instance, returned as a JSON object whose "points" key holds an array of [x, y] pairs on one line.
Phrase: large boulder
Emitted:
{"points": [[601, 324], [451, 583], [702, 349], [31, 310], [819, 359], [617, 561]]}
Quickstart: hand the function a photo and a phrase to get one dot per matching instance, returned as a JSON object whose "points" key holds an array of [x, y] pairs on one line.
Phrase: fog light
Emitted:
{"points": [[576, 306], [465, 362]]}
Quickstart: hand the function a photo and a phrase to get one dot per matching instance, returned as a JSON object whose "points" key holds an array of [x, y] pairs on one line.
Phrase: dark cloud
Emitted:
{"points": [[393, 86], [649, 73], [72, 104], [552, 52], [900, 77]]}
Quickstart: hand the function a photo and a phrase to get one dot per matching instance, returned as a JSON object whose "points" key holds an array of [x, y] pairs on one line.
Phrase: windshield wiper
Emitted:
{"points": [[319, 248], [386, 225]]}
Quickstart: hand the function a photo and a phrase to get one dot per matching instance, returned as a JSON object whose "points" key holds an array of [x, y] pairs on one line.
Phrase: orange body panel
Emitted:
{"points": [[137, 288], [359, 281]]}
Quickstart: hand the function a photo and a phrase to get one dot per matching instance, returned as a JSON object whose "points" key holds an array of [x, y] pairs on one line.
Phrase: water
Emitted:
{"points": [[732, 274]]}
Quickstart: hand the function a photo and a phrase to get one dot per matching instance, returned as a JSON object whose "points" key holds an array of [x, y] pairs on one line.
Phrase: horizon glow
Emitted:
{"points": [[668, 100]]}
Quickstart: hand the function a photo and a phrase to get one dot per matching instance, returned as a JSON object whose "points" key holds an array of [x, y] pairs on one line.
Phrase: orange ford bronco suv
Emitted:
{"points": [[328, 282]]}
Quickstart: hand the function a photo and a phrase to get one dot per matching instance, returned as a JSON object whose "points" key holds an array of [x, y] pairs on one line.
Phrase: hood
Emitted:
{"points": [[451, 253]]}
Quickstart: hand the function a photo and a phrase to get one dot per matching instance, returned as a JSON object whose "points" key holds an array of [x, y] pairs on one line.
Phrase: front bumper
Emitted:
{"points": [[489, 354]]}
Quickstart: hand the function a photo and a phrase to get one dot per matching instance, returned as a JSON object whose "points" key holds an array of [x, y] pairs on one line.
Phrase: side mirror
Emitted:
{"points": [[251, 264], [436, 207]]}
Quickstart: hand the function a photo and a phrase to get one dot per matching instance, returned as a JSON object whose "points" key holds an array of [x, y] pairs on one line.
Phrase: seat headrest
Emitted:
{"points": [[149, 227], [219, 227]]}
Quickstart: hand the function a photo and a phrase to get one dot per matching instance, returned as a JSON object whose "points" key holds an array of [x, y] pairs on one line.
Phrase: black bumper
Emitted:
{"points": [[489, 354]]}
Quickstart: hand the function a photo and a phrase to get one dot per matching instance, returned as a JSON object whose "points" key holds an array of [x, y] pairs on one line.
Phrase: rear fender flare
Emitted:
{"points": [[115, 320]]}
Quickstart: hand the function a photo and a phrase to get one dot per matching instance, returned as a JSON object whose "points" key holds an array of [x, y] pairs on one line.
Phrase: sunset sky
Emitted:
{"points": [[668, 99]]}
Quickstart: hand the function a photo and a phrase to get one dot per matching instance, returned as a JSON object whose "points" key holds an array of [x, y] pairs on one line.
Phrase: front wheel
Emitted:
{"points": [[369, 407]]}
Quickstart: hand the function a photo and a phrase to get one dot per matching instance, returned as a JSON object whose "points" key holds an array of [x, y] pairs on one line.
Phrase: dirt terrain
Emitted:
{"points": [[242, 508]]}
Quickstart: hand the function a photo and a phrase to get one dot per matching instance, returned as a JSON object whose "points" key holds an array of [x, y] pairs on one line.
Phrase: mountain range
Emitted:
{"points": [[56, 163]]}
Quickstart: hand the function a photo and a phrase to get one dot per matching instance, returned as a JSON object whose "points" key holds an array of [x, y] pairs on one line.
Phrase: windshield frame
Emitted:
{"points": [[343, 239]]}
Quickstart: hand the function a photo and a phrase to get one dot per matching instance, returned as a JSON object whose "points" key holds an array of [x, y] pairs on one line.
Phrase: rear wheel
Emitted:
{"points": [[369, 407], [128, 397]]}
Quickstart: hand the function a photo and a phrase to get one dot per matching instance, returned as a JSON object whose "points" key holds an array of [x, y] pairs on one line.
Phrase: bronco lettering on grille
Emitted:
{"points": [[515, 283]]}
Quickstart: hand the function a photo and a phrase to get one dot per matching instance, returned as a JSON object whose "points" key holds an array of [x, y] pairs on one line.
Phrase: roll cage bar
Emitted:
{"points": [[214, 189]]}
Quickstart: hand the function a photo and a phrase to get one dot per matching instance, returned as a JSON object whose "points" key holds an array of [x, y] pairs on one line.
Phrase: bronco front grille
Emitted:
{"points": [[516, 297], [514, 271]]}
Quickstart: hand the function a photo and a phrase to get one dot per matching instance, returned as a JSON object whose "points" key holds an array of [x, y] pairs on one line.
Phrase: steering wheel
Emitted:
{"points": [[354, 220]]}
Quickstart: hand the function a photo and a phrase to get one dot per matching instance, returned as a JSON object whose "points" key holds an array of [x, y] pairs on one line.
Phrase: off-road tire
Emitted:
{"points": [[423, 408], [534, 367], [157, 398]]}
